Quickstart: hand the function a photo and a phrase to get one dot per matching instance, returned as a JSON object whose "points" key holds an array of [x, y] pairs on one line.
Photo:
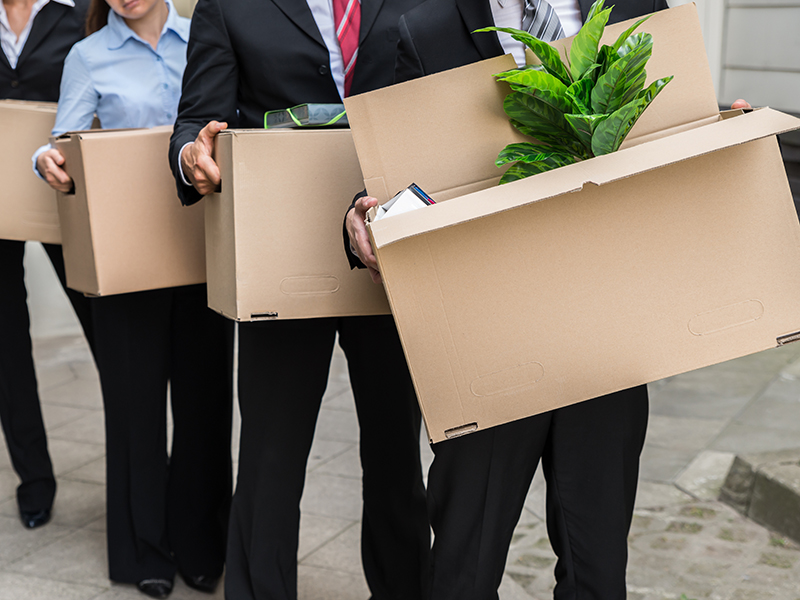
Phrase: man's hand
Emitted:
{"points": [[49, 164], [359, 238], [741, 104], [197, 159]]}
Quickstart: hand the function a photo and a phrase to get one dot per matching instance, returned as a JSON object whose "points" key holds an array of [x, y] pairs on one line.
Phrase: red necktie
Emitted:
{"points": [[347, 18]]}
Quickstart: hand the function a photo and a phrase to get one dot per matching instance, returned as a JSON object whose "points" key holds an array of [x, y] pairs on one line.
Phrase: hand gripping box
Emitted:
{"points": [[27, 205], [274, 232], [679, 251], [124, 229]]}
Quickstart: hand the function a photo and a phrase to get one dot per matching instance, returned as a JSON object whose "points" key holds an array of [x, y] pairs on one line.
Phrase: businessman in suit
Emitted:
{"points": [[590, 451], [35, 41], [246, 57]]}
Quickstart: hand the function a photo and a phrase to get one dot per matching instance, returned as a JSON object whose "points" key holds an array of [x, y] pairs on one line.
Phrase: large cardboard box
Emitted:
{"points": [[679, 251], [274, 232], [27, 205], [124, 229]]}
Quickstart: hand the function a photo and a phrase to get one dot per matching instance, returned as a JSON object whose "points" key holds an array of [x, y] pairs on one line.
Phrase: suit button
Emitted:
{"points": [[323, 69], [15, 84]]}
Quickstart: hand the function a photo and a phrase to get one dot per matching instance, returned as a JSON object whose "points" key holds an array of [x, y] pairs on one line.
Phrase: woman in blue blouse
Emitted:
{"points": [[165, 514]]}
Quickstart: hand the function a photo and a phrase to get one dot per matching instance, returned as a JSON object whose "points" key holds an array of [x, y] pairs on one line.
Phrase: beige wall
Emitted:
{"points": [[753, 49]]}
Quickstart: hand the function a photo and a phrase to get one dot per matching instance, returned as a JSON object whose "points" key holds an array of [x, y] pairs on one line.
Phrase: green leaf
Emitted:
{"points": [[583, 53], [521, 170], [652, 90], [627, 33], [532, 81], [624, 75], [547, 54], [537, 112], [594, 9], [606, 57], [584, 126], [531, 153], [571, 145], [580, 93], [633, 42]]}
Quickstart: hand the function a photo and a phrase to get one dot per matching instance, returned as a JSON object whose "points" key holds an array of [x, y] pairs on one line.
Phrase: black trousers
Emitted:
{"points": [[20, 411], [283, 371], [165, 513], [478, 483]]}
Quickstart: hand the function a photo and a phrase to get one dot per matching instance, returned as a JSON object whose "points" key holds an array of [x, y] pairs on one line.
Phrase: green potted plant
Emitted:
{"points": [[580, 107]]}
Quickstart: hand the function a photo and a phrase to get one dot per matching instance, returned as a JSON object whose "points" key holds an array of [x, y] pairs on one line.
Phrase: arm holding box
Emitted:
{"points": [[208, 104], [76, 108]]}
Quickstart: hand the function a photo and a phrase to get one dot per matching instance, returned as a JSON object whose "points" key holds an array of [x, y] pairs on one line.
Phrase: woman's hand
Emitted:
{"points": [[49, 164]]}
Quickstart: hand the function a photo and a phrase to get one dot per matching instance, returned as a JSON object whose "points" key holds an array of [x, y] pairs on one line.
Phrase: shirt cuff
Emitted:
{"points": [[36, 155], [180, 165]]}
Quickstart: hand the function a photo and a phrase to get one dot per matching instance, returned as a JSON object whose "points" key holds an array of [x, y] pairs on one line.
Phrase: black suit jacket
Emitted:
{"points": [[437, 35], [38, 73], [246, 57]]}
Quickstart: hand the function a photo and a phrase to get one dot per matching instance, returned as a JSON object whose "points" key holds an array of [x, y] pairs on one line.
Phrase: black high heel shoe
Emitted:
{"points": [[201, 583], [155, 588]]}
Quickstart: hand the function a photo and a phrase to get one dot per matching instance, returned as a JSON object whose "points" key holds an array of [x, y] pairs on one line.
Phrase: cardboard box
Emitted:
{"points": [[680, 251], [28, 205], [274, 232], [124, 229]]}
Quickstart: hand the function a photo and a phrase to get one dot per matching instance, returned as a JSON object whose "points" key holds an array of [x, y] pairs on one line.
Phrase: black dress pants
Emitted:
{"points": [[283, 371], [165, 513], [20, 411], [478, 483]]}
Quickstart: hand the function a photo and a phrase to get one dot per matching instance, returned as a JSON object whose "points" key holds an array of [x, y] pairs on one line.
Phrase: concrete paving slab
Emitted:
{"points": [[706, 474], [56, 415], [745, 438], [316, 531], [332, 496], [94, 472], [325, 451], [15, 586], [17, 542], [337, 425], [663, 464], [80, 393], [340, 553], [61, 562], [681, 433], [347, 464], [76, 503], [315, 583], [88, 429], [68, 455]]}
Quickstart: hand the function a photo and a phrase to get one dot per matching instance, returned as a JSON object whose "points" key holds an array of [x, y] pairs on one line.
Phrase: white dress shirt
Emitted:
{"points": [[13, 45], [509, 14]]}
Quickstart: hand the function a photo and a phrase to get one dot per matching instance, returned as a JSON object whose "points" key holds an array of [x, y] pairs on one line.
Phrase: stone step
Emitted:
{"points": [[765, 487]]}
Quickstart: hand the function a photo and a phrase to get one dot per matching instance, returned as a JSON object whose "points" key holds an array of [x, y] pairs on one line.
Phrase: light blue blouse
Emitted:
{"points": [[117, 75]]}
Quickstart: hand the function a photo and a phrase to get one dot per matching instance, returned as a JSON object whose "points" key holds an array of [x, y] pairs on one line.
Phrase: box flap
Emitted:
{"points": [[597, 171], [444, 131]]}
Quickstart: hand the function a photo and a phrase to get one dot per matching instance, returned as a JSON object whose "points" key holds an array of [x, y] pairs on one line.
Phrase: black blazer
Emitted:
{"points": [[437, 35], [246, 57], [38, 73]]}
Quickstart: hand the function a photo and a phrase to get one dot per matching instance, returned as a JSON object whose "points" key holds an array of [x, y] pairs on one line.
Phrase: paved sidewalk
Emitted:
{"points": [[683, 541]]}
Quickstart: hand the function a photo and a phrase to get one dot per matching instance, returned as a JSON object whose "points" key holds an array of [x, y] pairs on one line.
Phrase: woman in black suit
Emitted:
{"points": [[34, 45]]}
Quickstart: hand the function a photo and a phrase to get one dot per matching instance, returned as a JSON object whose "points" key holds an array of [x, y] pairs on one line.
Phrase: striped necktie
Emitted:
{"points": [[541, 21], [347, 18]]}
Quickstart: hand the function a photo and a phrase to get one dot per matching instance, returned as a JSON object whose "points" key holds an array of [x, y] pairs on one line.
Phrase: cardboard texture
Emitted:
{"points": [[28, 208], [679, 251], [274, 232], [124, 229]]}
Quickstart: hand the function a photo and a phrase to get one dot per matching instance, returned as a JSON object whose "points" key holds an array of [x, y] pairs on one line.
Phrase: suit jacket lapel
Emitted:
{"points": [[43, 24], [477, 15], [369, 12], [300, 14]]}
